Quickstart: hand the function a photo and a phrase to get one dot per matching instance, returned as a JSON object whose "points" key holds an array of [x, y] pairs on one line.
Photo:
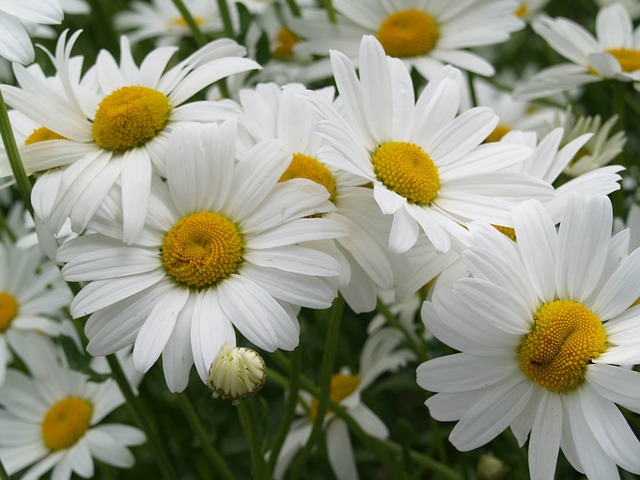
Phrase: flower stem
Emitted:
{"points": [[216, 460], [198, 36], [331, 13], [393, 321], [226, 18], [289, 408], [140, 417], [472, 89], [22, 181], [326, 373], [295, 9], [249, 421]]}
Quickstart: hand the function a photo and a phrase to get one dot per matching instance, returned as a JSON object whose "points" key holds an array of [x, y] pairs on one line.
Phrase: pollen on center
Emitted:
{"points": [[8, 310], [66, 422], [201, 249], [565, 338], [408, 33], [42, 134], [130, 117], [304, 166], [407, 170], [629, 59]]}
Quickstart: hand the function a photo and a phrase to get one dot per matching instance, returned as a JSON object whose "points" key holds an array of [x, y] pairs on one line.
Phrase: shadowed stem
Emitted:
{"points": [[191, 23], [249, 421]]}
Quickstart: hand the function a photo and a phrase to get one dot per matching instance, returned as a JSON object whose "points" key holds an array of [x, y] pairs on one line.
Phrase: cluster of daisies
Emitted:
{"points": [[237, 165]]}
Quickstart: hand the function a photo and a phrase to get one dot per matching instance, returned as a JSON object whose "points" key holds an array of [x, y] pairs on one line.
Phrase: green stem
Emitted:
{"points": [[226, 18], [216, 460], [140, 417], [326, 373], [472, 89], [393, 321], [249, 421], [289, 408], [6, 227], [22, 181], [376, 445], [619, 102], [331, 13], [295, 9], [191, 23], [3, 473]]}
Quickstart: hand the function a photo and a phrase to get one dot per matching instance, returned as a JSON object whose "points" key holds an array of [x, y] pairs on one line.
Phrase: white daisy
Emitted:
{"points": [[380, 354], [161, 20], [613, 54], [51, 420], [218, 250], [529, 9], [542, 327], [32, 295], [115, 122], [601, 148], [425, 34], [274, 113], [15, 44], [425, 161]]}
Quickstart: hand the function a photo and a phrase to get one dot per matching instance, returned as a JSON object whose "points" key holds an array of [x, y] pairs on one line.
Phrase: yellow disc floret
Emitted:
{"points": [[66, 422], [522, 10], [202, 249], [628, 59], [42, 134], [566, 337], [285, 41], [496, 135], [408, 33], [508, 231], [407, 170], [8, 310], [342, 385], [304, 166], [130, 117], [182, 23]]}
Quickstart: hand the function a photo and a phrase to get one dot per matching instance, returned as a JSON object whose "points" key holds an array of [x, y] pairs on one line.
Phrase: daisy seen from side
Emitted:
{"points": [[51, 420], [614, 53], [542, 327], [111, 126], [425, 161], [219, 250]]}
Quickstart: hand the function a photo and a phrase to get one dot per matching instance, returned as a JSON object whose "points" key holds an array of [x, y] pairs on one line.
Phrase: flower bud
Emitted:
{"points": [[236, 373], [491, 467]]}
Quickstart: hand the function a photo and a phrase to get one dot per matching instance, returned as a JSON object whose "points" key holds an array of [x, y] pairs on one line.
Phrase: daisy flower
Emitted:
{"points": [[51, 420], [270, 112], [219, 249], [161, 20], [529, 9], [380, 354], [15, 44], [542, 327], [426, 162], [601, 148], [424, 34], [613, 54], [31, 293], [111, 126]]}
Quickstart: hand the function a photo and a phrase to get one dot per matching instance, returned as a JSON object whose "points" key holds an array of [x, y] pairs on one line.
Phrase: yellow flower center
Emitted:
{"points": [[408, 33], [407, 170], [522, 10], [508, 231], [304, 166], [500, 131], [42, 134], [181, 22], [202, 249], [285, 41], [342, 385], [66, 422], [129, 117], [566, 337], [628, 59], [8, 310]]}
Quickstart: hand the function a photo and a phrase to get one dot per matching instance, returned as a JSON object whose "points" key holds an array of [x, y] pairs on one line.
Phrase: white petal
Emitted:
{"points": [[545, 437]]}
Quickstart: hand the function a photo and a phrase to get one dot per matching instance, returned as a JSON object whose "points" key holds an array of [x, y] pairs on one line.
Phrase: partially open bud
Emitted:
{"points": [[491, 467], [236, 373]]}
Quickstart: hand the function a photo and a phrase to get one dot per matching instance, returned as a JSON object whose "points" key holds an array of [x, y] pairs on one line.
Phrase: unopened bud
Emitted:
{"points": [[491, 467], [236, 373]]}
